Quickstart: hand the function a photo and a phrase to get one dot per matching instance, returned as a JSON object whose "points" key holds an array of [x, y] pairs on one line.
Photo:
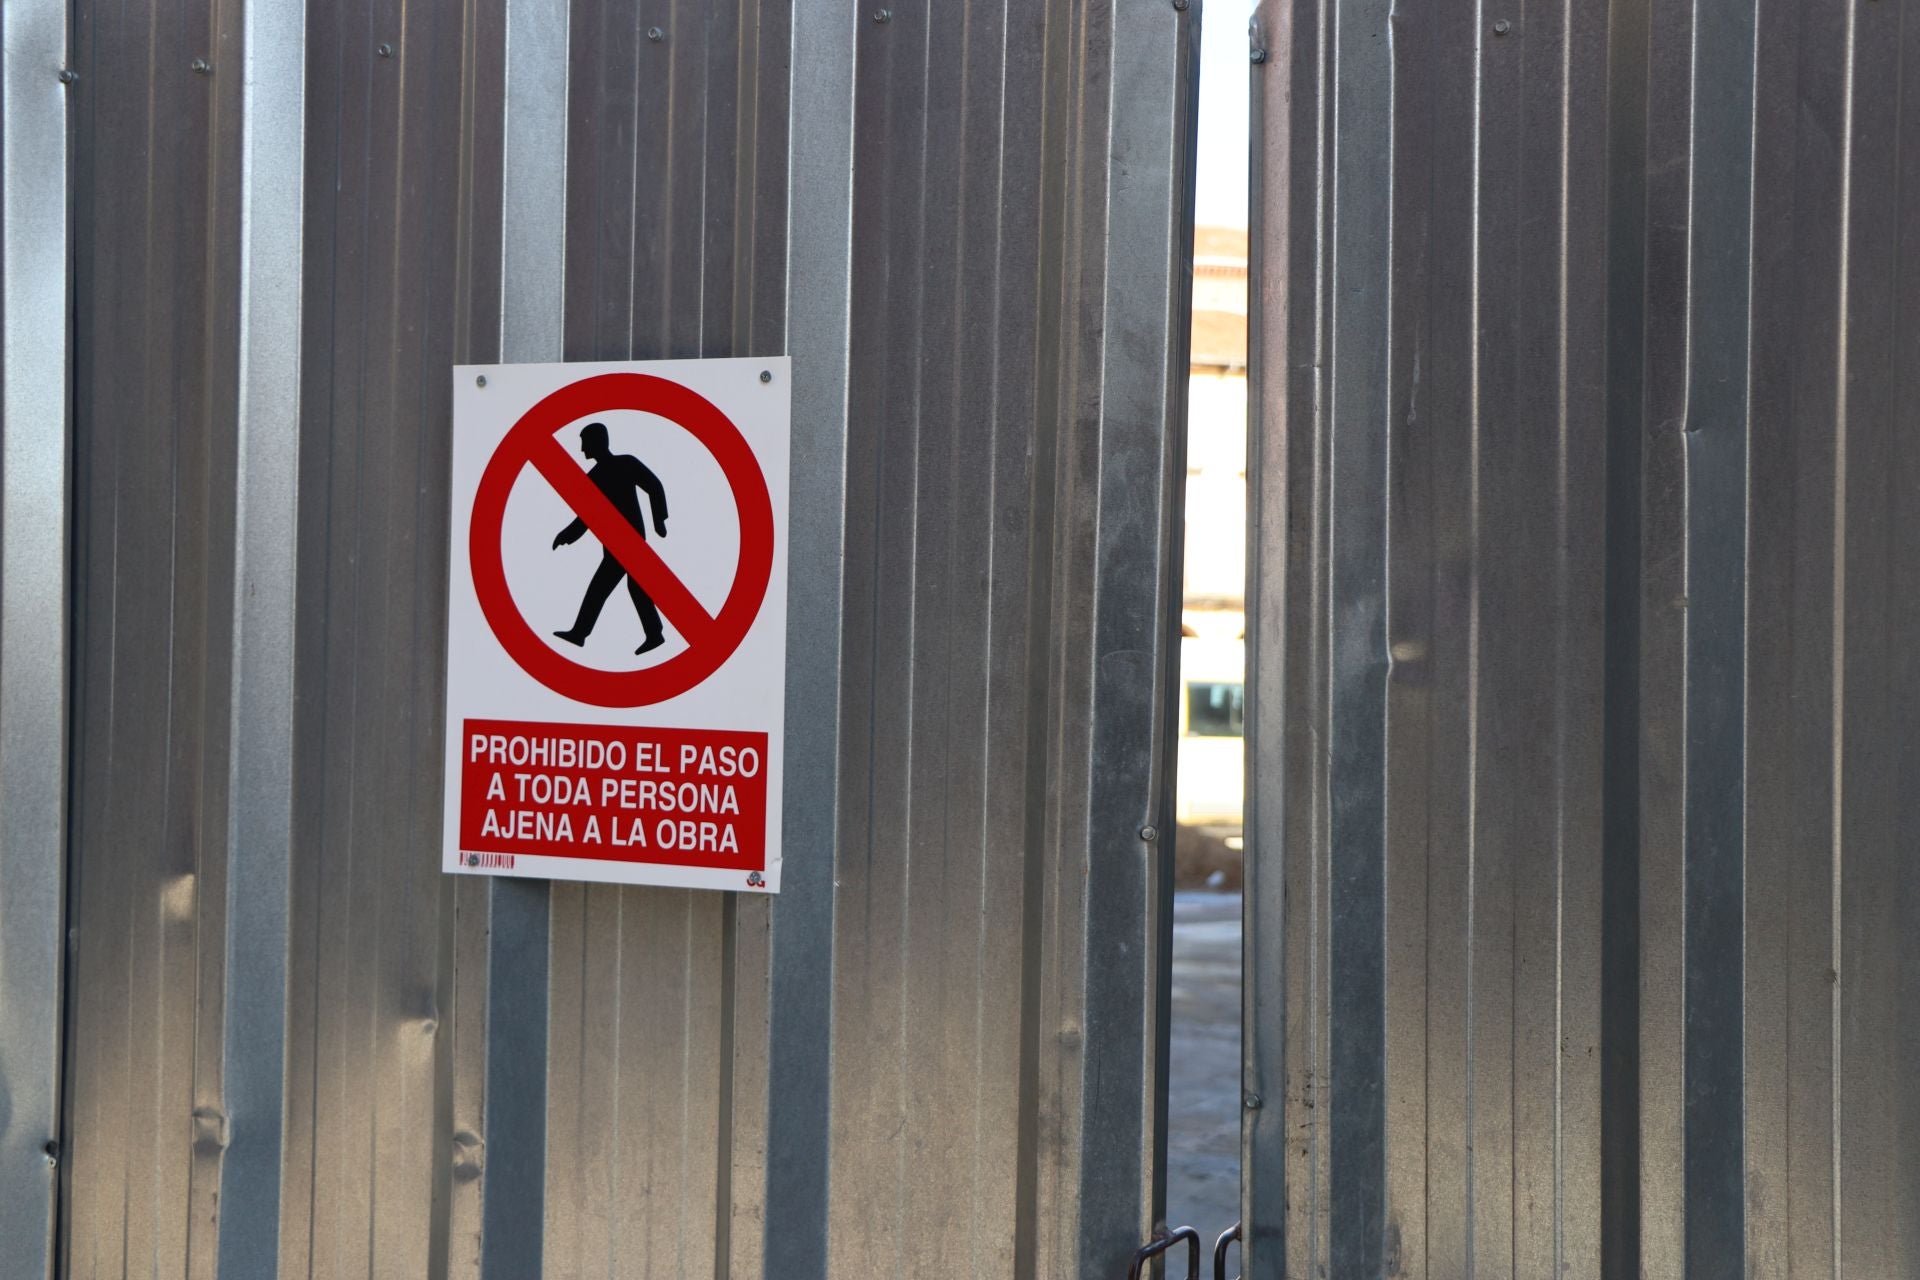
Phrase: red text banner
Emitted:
{"points": [[614, 793]]}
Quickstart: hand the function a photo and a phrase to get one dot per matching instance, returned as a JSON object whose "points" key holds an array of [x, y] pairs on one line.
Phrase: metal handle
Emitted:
{"points": [[1220, 1247], [1161, 1244]]}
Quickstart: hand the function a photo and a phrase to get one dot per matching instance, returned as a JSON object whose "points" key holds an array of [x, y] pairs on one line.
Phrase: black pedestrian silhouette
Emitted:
{"points": [[619, 476]]}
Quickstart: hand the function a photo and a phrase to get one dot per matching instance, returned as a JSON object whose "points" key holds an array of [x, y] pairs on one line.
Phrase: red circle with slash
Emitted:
{"points": [[710, 639]]}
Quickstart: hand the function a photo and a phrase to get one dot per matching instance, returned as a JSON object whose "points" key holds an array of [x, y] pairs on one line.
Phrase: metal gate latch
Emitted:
{"points": [[1164, 1242], [1220, 1248]]}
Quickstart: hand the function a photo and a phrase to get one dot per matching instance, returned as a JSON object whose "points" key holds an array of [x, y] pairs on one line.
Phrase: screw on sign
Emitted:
{"points": [[604, 503]]}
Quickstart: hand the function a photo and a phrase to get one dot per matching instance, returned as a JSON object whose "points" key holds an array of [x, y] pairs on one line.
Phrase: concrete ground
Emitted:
{"points": [[1203, 1104]]}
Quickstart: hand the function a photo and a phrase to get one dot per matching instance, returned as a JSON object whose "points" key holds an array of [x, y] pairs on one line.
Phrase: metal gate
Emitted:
{"points": [[290, 1044], [1581, 918]]}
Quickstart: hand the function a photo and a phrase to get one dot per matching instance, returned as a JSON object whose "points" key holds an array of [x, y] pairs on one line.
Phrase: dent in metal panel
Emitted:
{"points": [[266, 506], [33, 619]]}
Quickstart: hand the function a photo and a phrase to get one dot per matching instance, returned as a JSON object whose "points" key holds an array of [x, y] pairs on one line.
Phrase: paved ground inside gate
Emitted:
{"points": [[1203, 1143]]}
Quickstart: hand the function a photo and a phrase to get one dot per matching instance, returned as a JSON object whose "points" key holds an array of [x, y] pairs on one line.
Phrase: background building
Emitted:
{"points": [[1213, 620]]}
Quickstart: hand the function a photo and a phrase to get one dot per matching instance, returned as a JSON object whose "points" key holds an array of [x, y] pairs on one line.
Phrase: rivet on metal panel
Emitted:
{"points": [[1251, 1102], [385, 50], [209, 1129], [468, 1155], [1149, 833], [53, 1151], [1501, 27], [201, 67], [1257, 56], [883, 15], [68, 75], [766, 375], [656, 35], [480, 381]]}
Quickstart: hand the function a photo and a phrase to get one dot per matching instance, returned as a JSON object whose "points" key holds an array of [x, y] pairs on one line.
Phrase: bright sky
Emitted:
{"points": [[1221, 184]]}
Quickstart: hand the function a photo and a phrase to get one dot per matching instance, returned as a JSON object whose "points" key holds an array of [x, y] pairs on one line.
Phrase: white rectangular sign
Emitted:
{"points": [[617, 622]]}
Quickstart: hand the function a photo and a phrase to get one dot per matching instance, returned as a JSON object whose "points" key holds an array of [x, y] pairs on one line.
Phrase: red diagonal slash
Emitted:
{"points": [[711, 640], [660, 583]]}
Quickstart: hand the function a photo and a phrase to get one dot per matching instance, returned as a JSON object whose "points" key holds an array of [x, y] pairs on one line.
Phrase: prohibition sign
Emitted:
{"points": [[710, 639]]}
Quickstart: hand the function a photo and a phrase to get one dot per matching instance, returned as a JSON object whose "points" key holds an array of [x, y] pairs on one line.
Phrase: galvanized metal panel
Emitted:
{"points": [[498, 1079], [1002, 738], [668, 164], [780, 1033], [1578, 865], [781, 1029], [369, 1156], [511, 1140], [262, 760], [145, 1113], [34, 527]]}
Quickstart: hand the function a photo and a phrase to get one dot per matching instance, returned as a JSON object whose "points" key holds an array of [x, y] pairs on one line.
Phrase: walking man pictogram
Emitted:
{"points": [[619, 476]]}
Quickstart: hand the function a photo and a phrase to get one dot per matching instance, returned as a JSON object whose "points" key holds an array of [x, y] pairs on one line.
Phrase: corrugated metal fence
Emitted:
{"points": [[34, 369], [291, 1044], [1583, 915]]}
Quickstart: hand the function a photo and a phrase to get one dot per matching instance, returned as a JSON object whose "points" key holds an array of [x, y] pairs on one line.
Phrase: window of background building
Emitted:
{"points": [[1216, 710], [1203, 1160]]}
